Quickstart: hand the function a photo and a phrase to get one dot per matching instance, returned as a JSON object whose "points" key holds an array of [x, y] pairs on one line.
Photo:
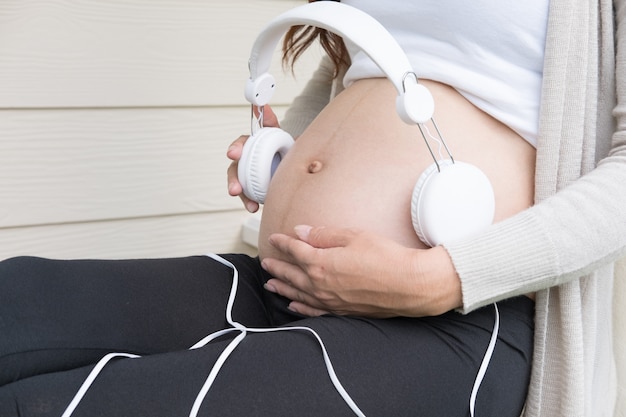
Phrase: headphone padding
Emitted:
{"points": [[259, 159], [452, 203]]}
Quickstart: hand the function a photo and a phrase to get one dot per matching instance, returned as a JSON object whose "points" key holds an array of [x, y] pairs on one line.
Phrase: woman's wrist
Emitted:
{"points": [[436, 281]]}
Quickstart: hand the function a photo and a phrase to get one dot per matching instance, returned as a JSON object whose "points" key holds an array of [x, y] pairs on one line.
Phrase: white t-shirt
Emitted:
{"points": [[491, 51]]}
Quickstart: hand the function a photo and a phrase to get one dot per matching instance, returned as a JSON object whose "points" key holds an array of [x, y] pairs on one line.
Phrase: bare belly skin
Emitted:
{"points": [[357, 163]]}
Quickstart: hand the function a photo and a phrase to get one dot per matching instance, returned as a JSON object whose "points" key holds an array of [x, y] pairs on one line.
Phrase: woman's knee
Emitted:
{"points": [[20, 266]]}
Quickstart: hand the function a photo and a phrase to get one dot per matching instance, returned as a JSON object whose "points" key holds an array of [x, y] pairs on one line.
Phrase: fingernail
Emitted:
{"points": [[302, 231], [264, 264], [251, 206], [269, 287]]}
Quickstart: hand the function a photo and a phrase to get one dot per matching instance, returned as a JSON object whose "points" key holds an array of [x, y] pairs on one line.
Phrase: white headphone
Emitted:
{"points": [[451, 199]]}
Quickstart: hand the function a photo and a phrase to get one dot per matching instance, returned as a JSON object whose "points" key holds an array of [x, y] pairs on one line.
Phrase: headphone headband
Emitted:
{"points": [[414, 103]]}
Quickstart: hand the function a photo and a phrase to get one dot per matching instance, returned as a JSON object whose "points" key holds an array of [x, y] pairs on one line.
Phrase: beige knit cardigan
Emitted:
{"points": [[565, 246]]}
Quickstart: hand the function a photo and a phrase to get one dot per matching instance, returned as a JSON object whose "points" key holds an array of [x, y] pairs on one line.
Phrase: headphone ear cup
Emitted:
{"points": [[260, 157], [452, 203]]}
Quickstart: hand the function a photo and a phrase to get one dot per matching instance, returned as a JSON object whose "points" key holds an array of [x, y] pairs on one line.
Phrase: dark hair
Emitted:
{"points": [[299, 38]]}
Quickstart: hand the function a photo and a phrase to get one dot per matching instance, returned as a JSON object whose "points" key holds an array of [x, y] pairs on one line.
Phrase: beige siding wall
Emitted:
{"points": [[114, 121]]}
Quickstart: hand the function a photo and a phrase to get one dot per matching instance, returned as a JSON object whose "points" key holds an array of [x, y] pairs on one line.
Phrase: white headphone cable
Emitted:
{"points": [[439, 141], [217, 366], [90, 378], [486, 359]]}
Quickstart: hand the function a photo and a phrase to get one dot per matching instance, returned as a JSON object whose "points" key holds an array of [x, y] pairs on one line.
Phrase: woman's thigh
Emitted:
{"points": [[389, 367], [57, 314]]}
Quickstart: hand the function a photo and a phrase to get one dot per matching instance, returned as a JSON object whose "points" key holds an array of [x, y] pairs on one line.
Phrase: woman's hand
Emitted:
{"points": [[234, 153], [352, 272]]}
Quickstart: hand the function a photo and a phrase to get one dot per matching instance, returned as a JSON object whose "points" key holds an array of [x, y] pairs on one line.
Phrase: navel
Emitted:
{"points": [[314, 167]]}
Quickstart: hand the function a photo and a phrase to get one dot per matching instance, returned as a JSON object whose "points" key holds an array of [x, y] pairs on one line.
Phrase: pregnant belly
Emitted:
{"points": [[357, 163]]}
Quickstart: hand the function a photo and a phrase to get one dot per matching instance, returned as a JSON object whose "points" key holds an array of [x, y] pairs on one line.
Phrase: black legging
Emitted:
{"points": [[58, 318]]}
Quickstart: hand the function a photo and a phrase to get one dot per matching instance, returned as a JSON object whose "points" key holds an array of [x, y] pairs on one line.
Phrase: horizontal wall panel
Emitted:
{"points": [[138, 238], [63, 166], [121, 53]]}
